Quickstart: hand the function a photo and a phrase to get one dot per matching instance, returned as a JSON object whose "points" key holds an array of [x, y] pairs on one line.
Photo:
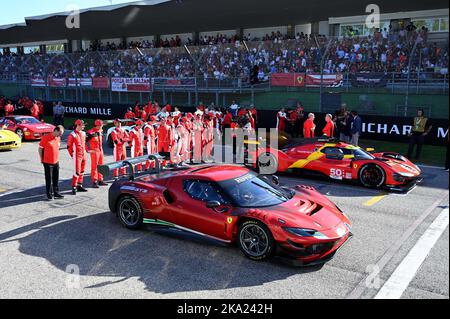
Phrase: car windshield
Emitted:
{"points": [[360, 154], [27, 120], [252, 191]]}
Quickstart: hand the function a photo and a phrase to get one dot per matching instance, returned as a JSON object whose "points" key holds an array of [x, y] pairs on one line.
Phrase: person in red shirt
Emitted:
{"points": [[76, 145], [328, 130], [9, 109], [130, 115], [49, 155], [242, 112], [309, 127], [208, 136], [189, 129], [120, 138], [165, 138], [41, 110], [150, 135], [136, 139], [137, 110], [293, 117], [226, 123], [35, 111], [95, 149]]}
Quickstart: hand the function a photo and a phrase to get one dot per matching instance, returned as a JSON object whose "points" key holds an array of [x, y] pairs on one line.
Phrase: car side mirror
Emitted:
{"points": [[213, 204], [275, 180]]}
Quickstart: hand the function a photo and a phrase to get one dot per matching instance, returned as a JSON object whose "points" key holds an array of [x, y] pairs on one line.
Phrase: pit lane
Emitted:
{"points": [[41, 243]]}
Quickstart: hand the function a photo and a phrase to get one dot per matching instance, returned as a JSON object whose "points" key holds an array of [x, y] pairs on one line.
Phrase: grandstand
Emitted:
{"points": [[168, 50]]}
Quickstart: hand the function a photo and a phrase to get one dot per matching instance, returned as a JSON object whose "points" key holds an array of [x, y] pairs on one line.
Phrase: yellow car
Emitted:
{"points": [[9, 140]]}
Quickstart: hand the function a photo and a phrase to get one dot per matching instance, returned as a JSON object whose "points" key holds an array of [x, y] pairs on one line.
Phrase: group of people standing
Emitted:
{"points": [[345, 125], [79, 145]]}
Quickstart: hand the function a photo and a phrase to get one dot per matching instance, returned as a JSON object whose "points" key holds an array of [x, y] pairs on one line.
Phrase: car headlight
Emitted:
{"points": [[25, 129], [406, 174], [302, 232]]}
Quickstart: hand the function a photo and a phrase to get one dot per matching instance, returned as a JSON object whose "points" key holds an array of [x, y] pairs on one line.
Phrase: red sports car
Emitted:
{"points": [[232, 204], [340, 161], [27, 127]]}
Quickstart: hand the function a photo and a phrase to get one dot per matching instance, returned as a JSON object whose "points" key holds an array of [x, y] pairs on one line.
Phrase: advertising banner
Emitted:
{"points": [[130, 85]]}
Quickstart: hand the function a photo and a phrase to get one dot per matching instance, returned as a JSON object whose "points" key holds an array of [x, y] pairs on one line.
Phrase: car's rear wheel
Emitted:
{"points": [[20, 133], [372, 176], [256, 241], [130, 213], [267, 164]]}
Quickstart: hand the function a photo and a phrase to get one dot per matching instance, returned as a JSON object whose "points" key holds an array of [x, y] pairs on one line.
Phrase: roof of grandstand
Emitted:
{"points": [[152, 17]]}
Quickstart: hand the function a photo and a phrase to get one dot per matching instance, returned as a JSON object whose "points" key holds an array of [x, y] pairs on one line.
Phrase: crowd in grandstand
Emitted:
{"points": [[223, 57]]}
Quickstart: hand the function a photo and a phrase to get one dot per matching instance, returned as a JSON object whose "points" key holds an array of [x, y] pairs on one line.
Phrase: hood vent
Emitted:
{"points": [[308, 208]]}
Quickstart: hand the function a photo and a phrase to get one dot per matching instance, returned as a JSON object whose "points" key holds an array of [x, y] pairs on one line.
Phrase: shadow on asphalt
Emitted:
{"points": [[99, 246]]}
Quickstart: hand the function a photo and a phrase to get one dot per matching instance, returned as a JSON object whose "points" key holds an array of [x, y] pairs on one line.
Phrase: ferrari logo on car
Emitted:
{"points": [[230, 220]]}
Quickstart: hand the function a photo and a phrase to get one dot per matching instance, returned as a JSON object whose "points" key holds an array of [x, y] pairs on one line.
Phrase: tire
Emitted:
{"points": [[20, 133], [267, 164], [130, 213], [256, 241], [372, 176]]}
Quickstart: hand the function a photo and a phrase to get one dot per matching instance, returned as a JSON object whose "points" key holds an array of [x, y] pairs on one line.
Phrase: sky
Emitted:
{"points": [[15, 11]]}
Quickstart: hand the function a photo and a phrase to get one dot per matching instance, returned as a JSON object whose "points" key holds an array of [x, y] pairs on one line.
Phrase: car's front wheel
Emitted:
{"points": [[372, 176], [130, 213], [256, 241]]}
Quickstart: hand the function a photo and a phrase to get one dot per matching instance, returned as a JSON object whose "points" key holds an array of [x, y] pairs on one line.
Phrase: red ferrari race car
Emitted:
{"points": [[340, 161], [27, 127], [233, 205]]}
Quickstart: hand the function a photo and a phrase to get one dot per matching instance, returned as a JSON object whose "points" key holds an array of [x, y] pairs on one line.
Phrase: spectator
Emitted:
{"points": [[356, 128], [234, 108], [344, 124], [58, 114], [9, 109], [421, 128]]}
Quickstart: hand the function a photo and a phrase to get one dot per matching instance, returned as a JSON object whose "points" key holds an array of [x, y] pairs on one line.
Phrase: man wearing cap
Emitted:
{"points": [[49, 155], [119, 137], [130, 115], [76, 145], [136, 139], [95, 149]]}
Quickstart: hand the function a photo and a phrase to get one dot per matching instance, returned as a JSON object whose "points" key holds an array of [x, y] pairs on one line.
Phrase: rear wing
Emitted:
{"points": [[155, 168]]}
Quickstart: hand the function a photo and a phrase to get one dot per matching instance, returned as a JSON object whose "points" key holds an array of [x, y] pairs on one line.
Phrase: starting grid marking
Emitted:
{"points": [[407, 270], [374, 200]]}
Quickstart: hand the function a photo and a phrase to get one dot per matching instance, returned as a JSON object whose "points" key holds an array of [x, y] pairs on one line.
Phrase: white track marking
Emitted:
{"points": [[407, 270]]}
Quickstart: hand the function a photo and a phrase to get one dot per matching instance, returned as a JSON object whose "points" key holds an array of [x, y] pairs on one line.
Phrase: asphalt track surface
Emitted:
{"points": [[42, 244]]}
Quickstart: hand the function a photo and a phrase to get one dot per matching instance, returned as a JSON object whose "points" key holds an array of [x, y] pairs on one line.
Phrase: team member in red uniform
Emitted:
{"points": [[208, 136], [137, 110], [329, 128], [76, 145], [136, 139], [49, 154], [9, 109], [130, 115], [309, 127], [176, 114], [184, 141], [41, 110], [165, 138], [35, 111], [150, 136], [197, 130], [281, 120], [144, 115], [120, 138], [95, 149], [189, 128]]}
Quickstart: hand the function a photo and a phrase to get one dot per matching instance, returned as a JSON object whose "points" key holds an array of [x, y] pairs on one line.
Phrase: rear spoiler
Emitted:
{"points": [[130, 164]]}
